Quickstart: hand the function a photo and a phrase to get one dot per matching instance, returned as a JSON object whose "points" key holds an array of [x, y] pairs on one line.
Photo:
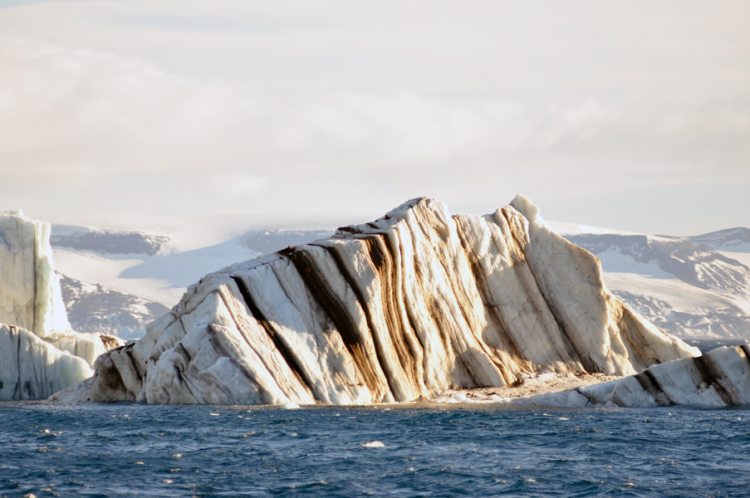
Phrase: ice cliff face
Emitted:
{"points": [[29, 291], [48, 354], [31, 368], [394, 310]]}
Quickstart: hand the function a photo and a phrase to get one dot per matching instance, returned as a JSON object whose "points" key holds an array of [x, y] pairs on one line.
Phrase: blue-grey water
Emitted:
{"points": [[429, 450]]}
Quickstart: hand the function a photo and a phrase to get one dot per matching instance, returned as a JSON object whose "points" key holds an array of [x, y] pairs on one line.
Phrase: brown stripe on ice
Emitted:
{"points": [[448, 330], [745, 348], [713, 376], [380, 252], [287, 352], [652, 386], [377, 260], [337, 313], [495, 313]]}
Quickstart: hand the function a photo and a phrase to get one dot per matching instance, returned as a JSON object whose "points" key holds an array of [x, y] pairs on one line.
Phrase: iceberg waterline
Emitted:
{"points": [[720, 377], [39, 352], [399, 309]]}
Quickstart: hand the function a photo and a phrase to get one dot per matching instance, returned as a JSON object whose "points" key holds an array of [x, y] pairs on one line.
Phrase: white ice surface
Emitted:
{"points": [[30, 295], [161, 278], [31, 299], [741, 256], [564, 228], [31, 368]]}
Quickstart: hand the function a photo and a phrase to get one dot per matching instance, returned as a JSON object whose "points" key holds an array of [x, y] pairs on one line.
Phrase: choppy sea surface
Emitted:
{"points": [[425, 450]]}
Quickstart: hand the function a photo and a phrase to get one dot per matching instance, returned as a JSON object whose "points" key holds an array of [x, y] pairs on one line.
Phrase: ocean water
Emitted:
{"points": [[427, 450]]}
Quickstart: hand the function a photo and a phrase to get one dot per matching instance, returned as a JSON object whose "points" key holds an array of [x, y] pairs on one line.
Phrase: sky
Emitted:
{"points": [[632, 115]]}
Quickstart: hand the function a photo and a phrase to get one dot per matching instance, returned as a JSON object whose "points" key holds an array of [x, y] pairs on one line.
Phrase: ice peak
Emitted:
{"points": [[528, 209]]}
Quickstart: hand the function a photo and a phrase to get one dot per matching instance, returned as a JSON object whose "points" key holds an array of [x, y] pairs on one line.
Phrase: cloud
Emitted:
{"points": [[84, 129]]}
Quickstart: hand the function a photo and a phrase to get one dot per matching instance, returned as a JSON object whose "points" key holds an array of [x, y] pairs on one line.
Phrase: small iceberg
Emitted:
{"points": [[373, 444]]}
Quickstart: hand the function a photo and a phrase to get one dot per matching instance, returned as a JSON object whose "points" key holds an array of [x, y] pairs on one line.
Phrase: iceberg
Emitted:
{"points": [[47, 355], [719, 378], [396, 310], [30, 295], [31, 368]]}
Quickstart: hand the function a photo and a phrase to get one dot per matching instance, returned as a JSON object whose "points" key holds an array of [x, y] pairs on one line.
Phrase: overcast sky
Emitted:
{"points": [[626, 114]]}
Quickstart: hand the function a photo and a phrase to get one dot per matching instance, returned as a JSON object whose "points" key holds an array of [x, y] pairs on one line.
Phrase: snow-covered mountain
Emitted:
{"points": [[693, 287], [731, 239], [106, 241], [92, 308]]}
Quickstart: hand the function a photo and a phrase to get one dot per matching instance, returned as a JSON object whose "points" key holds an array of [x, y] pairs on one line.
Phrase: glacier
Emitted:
{"points": [[395, 310], [48, 355]]}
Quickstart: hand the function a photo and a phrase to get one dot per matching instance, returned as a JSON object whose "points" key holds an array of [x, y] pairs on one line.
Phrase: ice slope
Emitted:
{"points": [[719, 378], [399, 309], [31, 368]]}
